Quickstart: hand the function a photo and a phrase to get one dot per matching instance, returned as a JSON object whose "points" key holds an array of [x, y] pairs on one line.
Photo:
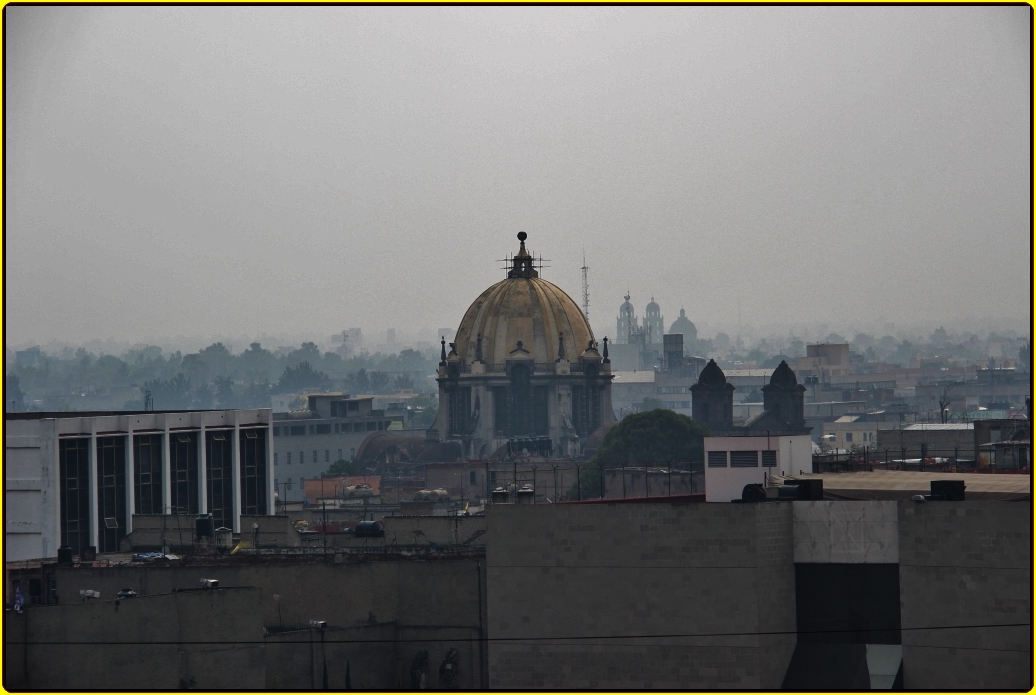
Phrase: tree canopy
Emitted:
{"points": [[651, 438]]}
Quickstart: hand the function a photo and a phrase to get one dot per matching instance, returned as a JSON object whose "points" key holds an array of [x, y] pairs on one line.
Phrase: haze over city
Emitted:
{"points": [[219, 172]]}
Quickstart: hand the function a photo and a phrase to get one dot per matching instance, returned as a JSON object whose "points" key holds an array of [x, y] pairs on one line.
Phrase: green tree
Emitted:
{"points": [[301, 376], [341, 467], [657, 437]]}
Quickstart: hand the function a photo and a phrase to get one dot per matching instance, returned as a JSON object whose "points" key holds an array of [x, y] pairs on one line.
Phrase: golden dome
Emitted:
{"points": [[526, 308]]}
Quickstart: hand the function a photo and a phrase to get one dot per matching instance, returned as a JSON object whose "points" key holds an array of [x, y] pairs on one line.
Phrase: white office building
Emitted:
{"points": [[78, 479]]}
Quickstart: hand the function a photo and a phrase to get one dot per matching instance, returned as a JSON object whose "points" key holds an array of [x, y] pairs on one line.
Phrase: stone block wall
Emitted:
{"points": [[640, 596], [966, 589], [208, 640]]}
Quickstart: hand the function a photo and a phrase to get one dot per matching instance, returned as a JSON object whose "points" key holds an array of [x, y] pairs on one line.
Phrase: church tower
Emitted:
{"points": [[626, 323], [712, 399], [654, 326], [784, 396]]}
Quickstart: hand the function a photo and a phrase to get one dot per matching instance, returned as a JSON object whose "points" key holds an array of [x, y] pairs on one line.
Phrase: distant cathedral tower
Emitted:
{"points": [[626, 323], [654, 326]]}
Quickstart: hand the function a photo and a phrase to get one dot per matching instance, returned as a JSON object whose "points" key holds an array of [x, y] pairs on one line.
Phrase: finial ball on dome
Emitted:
{"points": [[522, 236]]}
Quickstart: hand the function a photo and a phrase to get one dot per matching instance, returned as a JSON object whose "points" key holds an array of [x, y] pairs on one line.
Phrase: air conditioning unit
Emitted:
{"points": [[317, 624], [209, 583], [89, 593]]}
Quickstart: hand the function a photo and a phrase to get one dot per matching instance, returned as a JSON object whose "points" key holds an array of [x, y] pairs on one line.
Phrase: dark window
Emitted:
{"points": [[539, 411], [848, 436], [586, 403], [339, 455], [371, 426], [75, 493], [276, 431], [500, 410], [297, 430], [521, 401], [324, 429], [459, 409], [769, 459], [253, 471], [183, 472], [111, 492], [492, 478], [472, 478], [289, 458], [327, 455], [147, 473], [744, 459], [717, 459], [219, 477], [315, 457]]}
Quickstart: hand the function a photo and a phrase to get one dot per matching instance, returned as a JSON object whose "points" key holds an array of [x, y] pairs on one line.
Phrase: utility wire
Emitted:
{"points": [[587, 638]]}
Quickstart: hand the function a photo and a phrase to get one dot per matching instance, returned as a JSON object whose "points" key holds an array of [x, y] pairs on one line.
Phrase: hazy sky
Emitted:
{"points": [[240, 170]]}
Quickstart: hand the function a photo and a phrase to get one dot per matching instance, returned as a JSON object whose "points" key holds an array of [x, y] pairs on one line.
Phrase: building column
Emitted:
{"points": [[268, 466], [92, 477], [235, 473], [203, 469], [130, 487], [167, 478]]}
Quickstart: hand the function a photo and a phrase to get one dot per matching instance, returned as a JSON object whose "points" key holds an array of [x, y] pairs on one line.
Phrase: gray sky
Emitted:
{"points": [[241, 170]]}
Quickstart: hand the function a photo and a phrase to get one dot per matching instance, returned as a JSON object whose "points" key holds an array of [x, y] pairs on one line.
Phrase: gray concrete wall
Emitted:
{"points": [[210, 639], [963, 565], [846, 532], [410, 592], [431, 604], [149, 532], [419, 530], [640, 596], [295, 660]]}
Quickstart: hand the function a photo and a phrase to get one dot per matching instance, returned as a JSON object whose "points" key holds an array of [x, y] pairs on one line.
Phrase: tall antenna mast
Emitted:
{"points": [[586, 289]]}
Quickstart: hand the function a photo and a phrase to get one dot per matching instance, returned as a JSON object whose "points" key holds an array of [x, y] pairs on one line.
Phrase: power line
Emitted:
{"points": [[518, 639]]}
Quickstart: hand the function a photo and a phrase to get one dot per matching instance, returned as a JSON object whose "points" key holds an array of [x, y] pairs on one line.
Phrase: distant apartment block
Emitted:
{"points": [[307, 442]]}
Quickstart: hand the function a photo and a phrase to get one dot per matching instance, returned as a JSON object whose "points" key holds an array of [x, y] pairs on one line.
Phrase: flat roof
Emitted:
{"points": [[102, 413], [643, 376], [934, 426], [905, 484]]}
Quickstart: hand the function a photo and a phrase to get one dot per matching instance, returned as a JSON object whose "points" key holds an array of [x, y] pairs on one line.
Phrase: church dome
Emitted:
{"points": [[684, 326], [652, 305], [712, 376], [523, 307], [783, 376]]}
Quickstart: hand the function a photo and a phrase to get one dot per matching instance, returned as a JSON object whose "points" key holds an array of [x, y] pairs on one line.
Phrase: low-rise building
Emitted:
{"points": [[731, 462]]}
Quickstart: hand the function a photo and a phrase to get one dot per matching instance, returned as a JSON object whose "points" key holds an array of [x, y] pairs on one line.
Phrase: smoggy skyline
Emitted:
{"points": [[223, 171]]}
